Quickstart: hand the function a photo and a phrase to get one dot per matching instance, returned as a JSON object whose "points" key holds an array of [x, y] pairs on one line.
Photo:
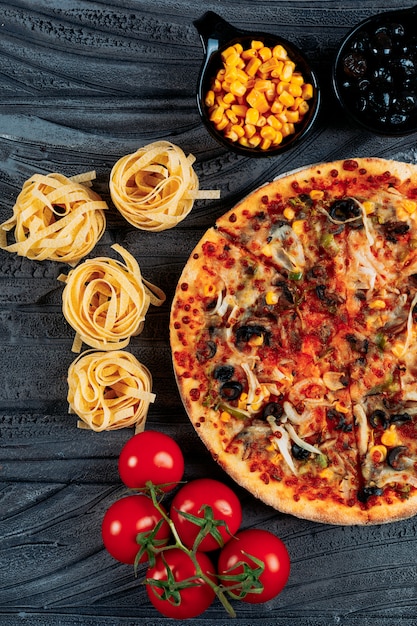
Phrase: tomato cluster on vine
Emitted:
{"points": [[195, 549]]}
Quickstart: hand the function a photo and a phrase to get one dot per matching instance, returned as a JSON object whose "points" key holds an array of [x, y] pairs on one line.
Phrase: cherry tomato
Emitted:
{"points": [[151, 456], [266, 547], [187, 602], [191, 499], [122, 522]]}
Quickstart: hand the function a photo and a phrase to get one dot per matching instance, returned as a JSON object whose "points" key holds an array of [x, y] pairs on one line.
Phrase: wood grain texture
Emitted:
{"points": [[81, 84]]}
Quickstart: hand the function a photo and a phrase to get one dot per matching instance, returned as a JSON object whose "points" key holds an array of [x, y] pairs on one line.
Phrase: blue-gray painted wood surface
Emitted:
{"points": [[81, 84]]}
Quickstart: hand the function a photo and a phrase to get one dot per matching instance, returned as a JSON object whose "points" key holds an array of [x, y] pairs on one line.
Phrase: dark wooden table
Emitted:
{"points": [[82, 84]]}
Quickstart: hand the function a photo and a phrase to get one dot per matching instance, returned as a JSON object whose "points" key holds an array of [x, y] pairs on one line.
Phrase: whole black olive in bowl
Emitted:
{"points": [[375, 73], [257, 94]]}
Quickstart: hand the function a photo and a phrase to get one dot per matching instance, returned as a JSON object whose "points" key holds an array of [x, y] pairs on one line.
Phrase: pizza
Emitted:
{"points": [[294, 341]]}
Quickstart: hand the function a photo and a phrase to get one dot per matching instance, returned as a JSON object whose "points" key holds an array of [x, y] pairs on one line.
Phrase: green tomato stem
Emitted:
{"points": [[218, 589]]}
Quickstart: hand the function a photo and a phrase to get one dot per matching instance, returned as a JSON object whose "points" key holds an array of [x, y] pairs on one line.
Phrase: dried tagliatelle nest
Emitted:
{"points": [[55, 218], [109, 390], [105, 301], [155, 187]]}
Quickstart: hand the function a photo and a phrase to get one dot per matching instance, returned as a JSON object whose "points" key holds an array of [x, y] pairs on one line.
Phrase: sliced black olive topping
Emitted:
{"points": [[399, 418], [340, 418], [394, 457], [305, 198], [392, 230], [206, 351], [379, 418], [273, 408], [231, 390], [223, 373], [346, 428], [299, 453], [329, 300], [286, 291], [245, 333], [321, 292], [343, 210], [361, 346], [367, 492]]}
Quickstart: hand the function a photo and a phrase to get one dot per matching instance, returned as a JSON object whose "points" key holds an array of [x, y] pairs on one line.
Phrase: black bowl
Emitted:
{"points": [[216, 35], [375, 73]]}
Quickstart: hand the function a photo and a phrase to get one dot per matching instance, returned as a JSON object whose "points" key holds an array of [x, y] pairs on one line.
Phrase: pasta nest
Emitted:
{"points": [[109, 391], [105, 301], [155, 187], [55, 218]]}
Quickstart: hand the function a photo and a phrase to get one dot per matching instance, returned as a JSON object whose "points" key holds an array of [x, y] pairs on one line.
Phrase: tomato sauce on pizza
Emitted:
{"points": [[294, 336]]}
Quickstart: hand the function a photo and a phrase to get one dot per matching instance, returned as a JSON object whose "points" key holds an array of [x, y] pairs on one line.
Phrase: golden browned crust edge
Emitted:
{"points": [[375, 166]]}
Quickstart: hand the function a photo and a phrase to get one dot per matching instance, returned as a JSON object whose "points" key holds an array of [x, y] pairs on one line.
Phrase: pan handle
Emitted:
{"points": [[214, 31]]}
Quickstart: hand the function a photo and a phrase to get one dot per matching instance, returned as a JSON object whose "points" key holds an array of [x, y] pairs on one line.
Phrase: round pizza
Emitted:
{"points": [[294, 341]]}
